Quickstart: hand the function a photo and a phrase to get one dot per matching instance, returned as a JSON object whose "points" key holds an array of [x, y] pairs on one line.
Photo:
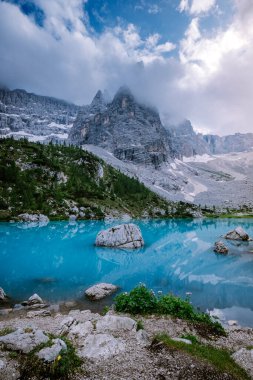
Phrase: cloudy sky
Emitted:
{"points": [[190, 58]]}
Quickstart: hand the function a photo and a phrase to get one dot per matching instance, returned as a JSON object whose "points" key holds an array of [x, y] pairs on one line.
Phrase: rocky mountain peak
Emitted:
{"points": [[123, 98], [98, 103]]}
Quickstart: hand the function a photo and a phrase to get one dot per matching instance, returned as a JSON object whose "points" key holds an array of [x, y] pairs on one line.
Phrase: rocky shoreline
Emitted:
{"points": [[117, 346]]}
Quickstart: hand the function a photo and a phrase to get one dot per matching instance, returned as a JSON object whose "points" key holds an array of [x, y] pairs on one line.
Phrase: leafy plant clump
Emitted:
{"points": [[143, 301], [220, 359], [66, 364]]}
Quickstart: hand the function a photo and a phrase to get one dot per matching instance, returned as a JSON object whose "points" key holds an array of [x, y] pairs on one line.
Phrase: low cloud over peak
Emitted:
{"points": [[204, 75]]}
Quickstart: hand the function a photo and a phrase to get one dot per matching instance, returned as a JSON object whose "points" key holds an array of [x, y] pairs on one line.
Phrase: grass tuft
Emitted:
{"points": [[218, 358]]}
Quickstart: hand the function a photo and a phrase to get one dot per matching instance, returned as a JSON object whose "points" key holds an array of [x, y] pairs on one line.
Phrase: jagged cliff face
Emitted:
{"points": [[131, 131], [187, 143], [39, 118], [232, 143]]}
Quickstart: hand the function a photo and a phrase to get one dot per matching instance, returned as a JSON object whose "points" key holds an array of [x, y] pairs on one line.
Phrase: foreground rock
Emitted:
{"points": [[237, 234], [219, 247], [23, 340], [3, 296], [99, 291], [49, 354], [121, 236], [114, 323], [101, 346]]}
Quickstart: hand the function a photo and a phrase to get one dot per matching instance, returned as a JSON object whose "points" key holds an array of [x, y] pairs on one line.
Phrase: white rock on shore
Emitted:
{"points": [[33, 220], [121, 236], [99, 291]]}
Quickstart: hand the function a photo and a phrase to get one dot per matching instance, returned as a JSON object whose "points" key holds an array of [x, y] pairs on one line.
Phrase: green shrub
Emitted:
{"points": [[143, 301], [139, 301]]}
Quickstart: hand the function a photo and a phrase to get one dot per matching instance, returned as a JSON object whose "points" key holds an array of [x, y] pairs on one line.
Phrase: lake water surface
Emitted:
{"points": [[59, 261]]}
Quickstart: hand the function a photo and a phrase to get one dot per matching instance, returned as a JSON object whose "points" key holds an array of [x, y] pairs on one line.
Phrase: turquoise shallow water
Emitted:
{"points": [[177, 257]]}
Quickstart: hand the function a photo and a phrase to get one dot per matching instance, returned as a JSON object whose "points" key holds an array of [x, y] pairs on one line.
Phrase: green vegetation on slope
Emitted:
{"points": [[52, 179], [218, 358], [143, 301]]}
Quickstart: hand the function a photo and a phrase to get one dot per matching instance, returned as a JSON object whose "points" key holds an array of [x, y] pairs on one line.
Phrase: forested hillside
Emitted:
{"points": [[58, 180]]}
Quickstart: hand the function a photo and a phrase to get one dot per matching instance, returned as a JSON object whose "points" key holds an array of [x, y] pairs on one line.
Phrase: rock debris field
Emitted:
{"points": [[114, 346]]}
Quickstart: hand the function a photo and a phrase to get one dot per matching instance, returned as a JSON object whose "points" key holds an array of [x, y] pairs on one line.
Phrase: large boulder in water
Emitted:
{"points": [[237, 234], [121, 236]]}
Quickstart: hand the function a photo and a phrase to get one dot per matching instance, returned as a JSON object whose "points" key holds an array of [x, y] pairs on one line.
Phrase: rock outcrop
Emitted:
{"points": [[49, 354], [23, 340], [237, 234], [128, 129], [219, 247], [99, 291], [38, 118], [121, 236]]}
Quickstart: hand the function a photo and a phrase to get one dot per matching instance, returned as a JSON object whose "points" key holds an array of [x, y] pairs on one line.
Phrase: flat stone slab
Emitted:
{"points": [[23, 341], [81, 330], [101, 346], [115, 323], [99, 291], [121, 236]]}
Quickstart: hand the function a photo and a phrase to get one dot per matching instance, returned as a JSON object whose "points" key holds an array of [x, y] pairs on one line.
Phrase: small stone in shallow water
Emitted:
{"points": [[34, 299], [219, 247], [99, 291], [232, 323]]}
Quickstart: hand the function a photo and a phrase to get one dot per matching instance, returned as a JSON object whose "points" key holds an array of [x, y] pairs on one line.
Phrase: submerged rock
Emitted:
{"points": [[121, 236], [238, 234], [99, 291], [219, 247], [3, 296]]}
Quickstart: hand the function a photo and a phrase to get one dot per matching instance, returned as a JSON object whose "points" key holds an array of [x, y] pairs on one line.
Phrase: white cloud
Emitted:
{"points": [[211, 82], [154, 9], [196, 7]]}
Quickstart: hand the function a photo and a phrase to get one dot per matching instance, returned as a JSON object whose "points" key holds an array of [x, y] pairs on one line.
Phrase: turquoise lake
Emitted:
{"points": [[178, 257]]}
